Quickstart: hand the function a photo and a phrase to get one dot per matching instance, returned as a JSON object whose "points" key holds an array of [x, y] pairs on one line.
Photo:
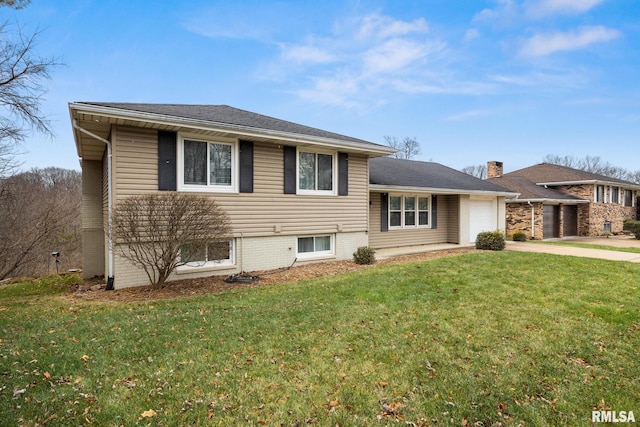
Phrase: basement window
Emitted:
{"points": [[315, 246]]}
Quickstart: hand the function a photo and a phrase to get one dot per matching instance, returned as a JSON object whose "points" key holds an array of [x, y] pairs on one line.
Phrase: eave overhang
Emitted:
{"points": [[548, 201]]}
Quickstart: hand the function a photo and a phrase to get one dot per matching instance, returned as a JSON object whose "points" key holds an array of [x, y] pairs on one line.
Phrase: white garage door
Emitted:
{"points": [[483, 216]]}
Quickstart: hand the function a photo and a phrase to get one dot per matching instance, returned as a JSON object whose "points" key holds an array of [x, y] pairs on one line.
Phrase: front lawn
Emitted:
{"points": [[479, 339]]}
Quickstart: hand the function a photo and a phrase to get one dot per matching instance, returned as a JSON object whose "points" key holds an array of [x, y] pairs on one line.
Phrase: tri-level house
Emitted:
{"points": [[293, 193], [557, 201]]}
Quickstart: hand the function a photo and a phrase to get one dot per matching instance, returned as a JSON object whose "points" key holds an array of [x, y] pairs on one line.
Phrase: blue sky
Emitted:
{"points": [[472, 81]]}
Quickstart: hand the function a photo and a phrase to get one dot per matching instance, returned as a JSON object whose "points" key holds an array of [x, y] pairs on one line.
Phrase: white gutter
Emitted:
{"points": [[551, 201], [166, 120], [436, 190], [110, 278]]}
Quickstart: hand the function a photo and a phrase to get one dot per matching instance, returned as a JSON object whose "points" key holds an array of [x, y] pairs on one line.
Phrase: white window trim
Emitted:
{"points": [[402, 211], [595, 193], [334, 175], [319, 254], [196, 266], [235, 161], [624, 198], [611, 189]]}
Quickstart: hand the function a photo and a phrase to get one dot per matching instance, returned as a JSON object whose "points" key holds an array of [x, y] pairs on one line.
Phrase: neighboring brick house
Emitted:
{"points": [[557, 201]]}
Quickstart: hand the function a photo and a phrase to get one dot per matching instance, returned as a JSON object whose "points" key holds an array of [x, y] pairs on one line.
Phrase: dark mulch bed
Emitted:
{"points": [[206, 285]]}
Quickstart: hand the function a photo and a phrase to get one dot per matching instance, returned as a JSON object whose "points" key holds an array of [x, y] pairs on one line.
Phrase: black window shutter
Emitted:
{"points": [[289, 169], [246, 166], [167, 170], [384, 212], [343, 174], [434, 211]]}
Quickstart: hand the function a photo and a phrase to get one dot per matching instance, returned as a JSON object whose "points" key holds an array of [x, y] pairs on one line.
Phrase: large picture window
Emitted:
{"points": [[409, 211], [316, 172], [207, 165]]}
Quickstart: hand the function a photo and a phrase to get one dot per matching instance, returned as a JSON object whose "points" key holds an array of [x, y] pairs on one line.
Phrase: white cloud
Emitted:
{"points": [[378, 26], [471, 34], [395, 55], [546, 44], [506, 11], [361, 63], [510, 12], [567, 79], [466, 115], [543, 8], [306, 54]]}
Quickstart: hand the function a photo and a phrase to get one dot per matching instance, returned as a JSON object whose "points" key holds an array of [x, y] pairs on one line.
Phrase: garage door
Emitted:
{"points": [[551, 221], [569, 220], [483, 216]]}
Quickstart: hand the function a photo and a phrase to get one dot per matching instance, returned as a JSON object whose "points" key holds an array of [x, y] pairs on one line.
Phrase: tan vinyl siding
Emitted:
{"points": [[452, 221], [135, 160], [93, 248], [266, 211], [446, 232]]}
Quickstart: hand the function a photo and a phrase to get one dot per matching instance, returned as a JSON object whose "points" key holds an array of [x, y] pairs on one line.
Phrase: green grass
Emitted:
{"points": [[485, 338], [635, 250]]}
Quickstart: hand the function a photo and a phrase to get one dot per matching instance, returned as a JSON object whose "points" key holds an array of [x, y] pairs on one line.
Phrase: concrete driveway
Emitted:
{"points": [[617, 241]]}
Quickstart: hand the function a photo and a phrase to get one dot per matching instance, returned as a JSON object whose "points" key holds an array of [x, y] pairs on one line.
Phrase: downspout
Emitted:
{"points": [[110, 278], [533, 221]]}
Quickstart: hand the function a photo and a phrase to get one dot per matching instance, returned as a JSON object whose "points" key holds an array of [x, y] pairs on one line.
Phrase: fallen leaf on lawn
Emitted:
{"points": [[148, 414], [85, 358], [47, 375]]}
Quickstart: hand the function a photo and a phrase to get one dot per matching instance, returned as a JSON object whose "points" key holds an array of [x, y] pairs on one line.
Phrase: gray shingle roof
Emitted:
{"points": [[529, 190], [226, 115], [549, 173], [387, 171]]}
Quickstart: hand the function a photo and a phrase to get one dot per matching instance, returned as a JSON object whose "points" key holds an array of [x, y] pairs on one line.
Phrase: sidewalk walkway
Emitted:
{"points": [[573, 251], [536, 247]]}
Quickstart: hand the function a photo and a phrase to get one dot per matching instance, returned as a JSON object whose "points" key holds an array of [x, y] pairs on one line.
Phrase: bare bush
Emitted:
{"points": [[162, 231]]}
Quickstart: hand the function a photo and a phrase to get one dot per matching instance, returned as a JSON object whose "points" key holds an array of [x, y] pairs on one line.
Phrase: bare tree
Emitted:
{"points": [[408, 148], [479, 171], [162, 231], [593, 164], [22, 76], [39, 214]]}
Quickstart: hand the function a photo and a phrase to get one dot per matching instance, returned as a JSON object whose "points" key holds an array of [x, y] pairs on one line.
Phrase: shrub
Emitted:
{"points": [[490, 240], [519, 236], [364, 255], [632, 226]]}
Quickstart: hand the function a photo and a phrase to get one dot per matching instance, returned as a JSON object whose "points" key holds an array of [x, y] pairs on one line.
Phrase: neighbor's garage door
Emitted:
{"points": [[570, 220], [484, 216], [551, 221]]}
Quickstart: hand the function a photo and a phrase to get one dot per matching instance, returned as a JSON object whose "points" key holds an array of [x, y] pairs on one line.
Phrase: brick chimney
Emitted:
{"points": [[494, 169]]}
